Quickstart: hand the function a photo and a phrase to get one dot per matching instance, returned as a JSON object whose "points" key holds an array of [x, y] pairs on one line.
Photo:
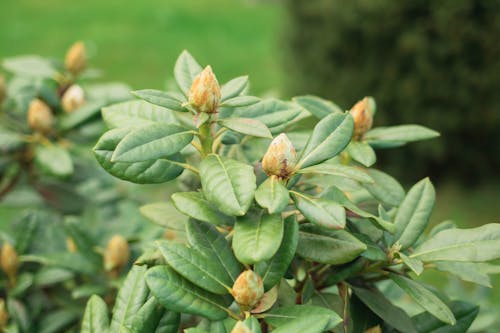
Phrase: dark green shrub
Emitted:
{"points": [[435, 63]]}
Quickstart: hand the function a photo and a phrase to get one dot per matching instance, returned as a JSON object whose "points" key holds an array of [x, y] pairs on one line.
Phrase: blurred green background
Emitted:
{"points": [[138, 41]]}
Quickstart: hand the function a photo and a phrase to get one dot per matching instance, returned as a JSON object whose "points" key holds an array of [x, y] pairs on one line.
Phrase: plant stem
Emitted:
{"points": [[344, 294], [206, 138]]}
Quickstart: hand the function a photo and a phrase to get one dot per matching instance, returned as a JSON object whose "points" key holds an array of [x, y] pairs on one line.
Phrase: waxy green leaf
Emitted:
{"points": [[395, 136], [95, 318], [152, 142], [177, 294], [136, 114], [53, 160], [272, 195], [323, 212], [362, 152], [350, 172], [318, 107], [257, 236], [385, 188], [228, 184], [330, 136], [185, 70], [240, 101], [164, 99], [246, 126], [465, 313], [282, 317], [414, 212], [272, 270], [201, 270], [195, 205], [233, 87]]}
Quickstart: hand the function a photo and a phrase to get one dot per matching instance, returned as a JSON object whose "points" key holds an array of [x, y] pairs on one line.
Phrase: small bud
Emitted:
{"points": [[117, 254], [9, 261], [248, 288], [280, 157], [40, 117], [240, 327], [73, 98], [71, 245], [4, 315], [3, 92], [363, 117], [204, 94], [76, 59]]}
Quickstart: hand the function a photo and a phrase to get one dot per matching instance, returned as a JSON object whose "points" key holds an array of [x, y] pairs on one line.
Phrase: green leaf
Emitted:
{"points": [[273, 113], [161, 98], [211, 243], [414, 212], [240, 101], [193, 204], [95, 318], [136, 114], [82, 239], [282, 317], [362, 152], [272, 270], [185, 70], [26, 230], [228, 184], [81, 115], [272, 195], [165, 214], [54, 160], [250, 324], [147, 172], [465, 313], [474, 244], [9, 141], [335, 194], [200, 269], [233, 87], [132, 295], [57, 320], [150, 318], [257, 236], [29, 65], [466, 271], [394, 136], [350, 172], [323, 212], [383, 308], [330, 136], [152, 142], [414, 264], [318, 107], [385, 188], [328, 246], [177, 294], [246, 126], [169, 323], [425, 298]]}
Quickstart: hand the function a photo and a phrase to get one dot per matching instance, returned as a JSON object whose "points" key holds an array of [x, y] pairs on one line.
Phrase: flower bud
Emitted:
{"points": [[117, 253], [4, 315], [280, 157], [204, 94], [2, 89], [363, 117], [9, 261], [40, 117], [71, 245], [76, 59], [248, 288], [73, 98], [240, 327]]}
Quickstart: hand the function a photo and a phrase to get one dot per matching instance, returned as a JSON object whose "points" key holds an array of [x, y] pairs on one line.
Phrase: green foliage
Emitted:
{"points": [[423, 65]]}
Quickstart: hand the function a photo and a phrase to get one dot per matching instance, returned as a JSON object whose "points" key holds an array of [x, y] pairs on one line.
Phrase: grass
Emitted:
{"points": [[138, 41]]}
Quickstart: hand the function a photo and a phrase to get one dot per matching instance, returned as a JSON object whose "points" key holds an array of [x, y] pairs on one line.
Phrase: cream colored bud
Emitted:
{"points": [[280, 158], [40, 117], [4, 315], [204, 94], [73, 98], [71, 245], [248, 288], [363, 117], [3, 91], [9, 261], [76, 59], [117, 253], [240, 327]]}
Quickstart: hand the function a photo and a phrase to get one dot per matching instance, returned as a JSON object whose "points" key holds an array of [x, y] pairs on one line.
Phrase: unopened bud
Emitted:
{"points": [[76, 59], [4, 315], [71, 245], [280, 157], [73, 98], [248, 288], [117, 253], [363, 117], [2, 89], [204, 94], [9, 261], [240, 327], [40, 117]]}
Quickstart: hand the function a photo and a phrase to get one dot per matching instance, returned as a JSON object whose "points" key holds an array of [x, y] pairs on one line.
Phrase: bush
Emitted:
{"points": [[434, 63]]}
